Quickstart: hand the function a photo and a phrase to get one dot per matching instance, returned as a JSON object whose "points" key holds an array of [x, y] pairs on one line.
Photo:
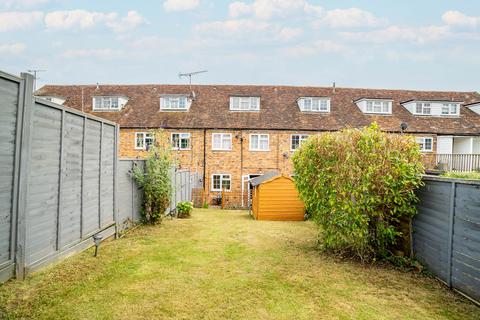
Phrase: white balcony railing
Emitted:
{"points": [[452, 162]]}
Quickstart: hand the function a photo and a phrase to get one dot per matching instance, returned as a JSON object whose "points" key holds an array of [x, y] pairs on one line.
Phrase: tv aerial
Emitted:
{"points": [[190, 74]]}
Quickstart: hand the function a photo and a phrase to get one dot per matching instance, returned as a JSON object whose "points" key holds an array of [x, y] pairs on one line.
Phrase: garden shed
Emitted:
{"points": [[274, 197]]}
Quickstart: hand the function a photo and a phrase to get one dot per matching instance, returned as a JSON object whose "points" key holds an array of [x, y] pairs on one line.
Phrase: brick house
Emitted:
{"points": [[231, 133]]}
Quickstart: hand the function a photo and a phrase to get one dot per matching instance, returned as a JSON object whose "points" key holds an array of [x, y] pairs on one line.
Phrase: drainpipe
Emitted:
{"points": [[204, 163]]}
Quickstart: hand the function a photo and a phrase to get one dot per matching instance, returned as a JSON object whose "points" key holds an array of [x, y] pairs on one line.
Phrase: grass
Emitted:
{"points": [[473, 175], [221, 264]]}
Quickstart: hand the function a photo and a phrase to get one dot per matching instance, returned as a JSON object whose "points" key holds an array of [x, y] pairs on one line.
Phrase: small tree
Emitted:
{"points": [[357, 185], [154, 179]]}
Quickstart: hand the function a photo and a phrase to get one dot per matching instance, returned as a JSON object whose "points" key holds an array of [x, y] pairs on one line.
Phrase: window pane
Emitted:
{"points": [[98, 103], [295, 142], [369, 106], [226, 182], [216, 141], [106, 103], [139, 140], [227, 142], [445, 109], [114, 103], [323, 105], [216, 182], [184, 143], [428, 144], [453, 109], [418, 108], [254, 142], [175, 140]]}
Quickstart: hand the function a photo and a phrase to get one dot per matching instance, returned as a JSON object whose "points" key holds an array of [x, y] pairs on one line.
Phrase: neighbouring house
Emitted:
{"points": [[233, 133], [274, 197]]}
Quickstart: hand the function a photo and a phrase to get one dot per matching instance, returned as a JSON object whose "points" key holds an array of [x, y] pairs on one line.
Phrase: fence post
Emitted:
{"points": [[450, 233], [223, 198], [26, 93], [115, 179], [60, 183]]}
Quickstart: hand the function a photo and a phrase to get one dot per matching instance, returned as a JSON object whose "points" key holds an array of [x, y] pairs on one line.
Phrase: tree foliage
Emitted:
{"points": [[357, 185], [155, 178]]}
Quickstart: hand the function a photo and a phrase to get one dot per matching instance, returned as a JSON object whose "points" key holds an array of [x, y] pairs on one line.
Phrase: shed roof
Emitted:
{"points": [[264, 178]]}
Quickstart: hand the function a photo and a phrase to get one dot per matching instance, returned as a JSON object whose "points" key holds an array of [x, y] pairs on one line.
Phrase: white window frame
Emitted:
{"points": [[423, 106], [166, 103], [239, 103], [450, 106], [145, 136], [223, 176], [103, 103], [378, 106], [222, 146], [250, 148], [301, 137], [421, 143], [314, 104], [181, 135]]}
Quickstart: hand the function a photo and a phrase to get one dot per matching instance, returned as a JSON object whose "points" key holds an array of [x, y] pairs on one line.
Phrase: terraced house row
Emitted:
{"points": [[232, 133]]}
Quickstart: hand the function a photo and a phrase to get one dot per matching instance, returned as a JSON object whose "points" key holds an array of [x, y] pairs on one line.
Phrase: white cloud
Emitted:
{"points": [[456, 18], [349, 18], [22, 3], [130, 22], [395, 33], [239, 8], [83, 19], [12, 48], [180, 5], [105, 53], [286, 34], [232, 27], [76, 19], [14, 20], [266, 9], [316, 47], [314, 10]]}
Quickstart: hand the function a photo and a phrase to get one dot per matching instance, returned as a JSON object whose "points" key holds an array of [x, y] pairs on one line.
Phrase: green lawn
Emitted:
{"points": [[222, 264]]}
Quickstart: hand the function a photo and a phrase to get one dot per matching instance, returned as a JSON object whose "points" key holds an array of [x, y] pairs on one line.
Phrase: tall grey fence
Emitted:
{"points": [[58, 176], [130, 195], [446, 232]]}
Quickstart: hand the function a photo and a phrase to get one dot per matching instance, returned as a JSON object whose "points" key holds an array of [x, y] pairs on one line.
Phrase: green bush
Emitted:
{"points": [[358, 185], [474, 175], [154, 179], [184, 209]]}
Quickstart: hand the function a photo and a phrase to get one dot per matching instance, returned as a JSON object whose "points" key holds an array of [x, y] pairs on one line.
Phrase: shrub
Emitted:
{"points": [[154, 179], [184, 209], [358, 185], [474, 175]]}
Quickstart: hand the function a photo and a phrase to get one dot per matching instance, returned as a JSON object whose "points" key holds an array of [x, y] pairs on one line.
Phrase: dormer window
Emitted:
{"points": [[450, 109], [174, 103], [375, 106], [54, 99], [423, 108], [314, 104], [245, 103], [433, 107], [108, 103]]}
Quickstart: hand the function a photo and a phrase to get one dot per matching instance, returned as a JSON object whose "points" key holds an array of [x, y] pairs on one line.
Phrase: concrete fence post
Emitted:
{"points": [[26, 108]]}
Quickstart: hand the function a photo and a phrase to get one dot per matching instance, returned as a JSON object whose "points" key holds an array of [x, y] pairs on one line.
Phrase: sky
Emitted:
{"points": [[421, 44]]}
